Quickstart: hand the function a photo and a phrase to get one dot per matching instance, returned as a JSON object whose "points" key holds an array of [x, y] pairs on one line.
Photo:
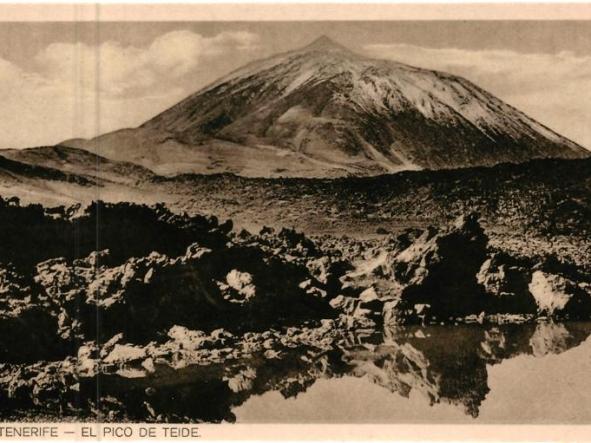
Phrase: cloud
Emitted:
{"points": [[78, 90], [118, 69], [552, 88]]}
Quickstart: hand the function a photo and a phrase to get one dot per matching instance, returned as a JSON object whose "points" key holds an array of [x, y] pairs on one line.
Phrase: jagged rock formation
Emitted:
{"points": [[31, 234], [229, 315], [439, 269], [237, 287], [449, 274]]}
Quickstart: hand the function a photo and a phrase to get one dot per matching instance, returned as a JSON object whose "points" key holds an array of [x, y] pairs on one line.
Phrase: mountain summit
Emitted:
{"points": [[324, 43], [325, 111]]}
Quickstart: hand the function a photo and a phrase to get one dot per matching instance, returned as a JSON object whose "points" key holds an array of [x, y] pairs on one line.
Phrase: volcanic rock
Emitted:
{"points": [[439, 269], [506, 281], [556, 295], [28, 324]]}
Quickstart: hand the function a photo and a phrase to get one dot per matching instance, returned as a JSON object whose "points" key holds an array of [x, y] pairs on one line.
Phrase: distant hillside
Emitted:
{"points": [[55, 175], [80, 162], [12, 171]]}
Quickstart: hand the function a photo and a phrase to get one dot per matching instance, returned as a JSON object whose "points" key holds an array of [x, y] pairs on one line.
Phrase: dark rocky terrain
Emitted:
{"points": [[171, 307], [540, 197], [532, 208], [537, 205]]}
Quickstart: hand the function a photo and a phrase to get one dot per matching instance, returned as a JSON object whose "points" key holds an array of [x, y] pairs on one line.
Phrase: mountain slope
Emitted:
{"points": [[325, 111], [38, 183], [56, 175], [80, 162]]}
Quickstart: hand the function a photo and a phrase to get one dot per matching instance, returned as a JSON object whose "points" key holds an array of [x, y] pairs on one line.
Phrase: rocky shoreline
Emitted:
{"points": [[194, 307]]}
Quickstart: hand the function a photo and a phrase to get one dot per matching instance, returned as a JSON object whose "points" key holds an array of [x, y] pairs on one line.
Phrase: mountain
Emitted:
{"points": [[324, 111]]}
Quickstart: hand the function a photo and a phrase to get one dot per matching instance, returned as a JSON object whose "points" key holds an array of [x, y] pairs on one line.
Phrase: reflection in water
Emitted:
{"points": [[449, 364], [441, 364]]}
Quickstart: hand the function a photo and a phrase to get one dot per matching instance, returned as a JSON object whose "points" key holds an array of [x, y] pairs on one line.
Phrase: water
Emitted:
{"points": [[453, 374], [519, 373]]}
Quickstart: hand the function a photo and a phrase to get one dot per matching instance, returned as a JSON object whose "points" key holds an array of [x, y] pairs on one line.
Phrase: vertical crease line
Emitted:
{"points": [[97, 67]]}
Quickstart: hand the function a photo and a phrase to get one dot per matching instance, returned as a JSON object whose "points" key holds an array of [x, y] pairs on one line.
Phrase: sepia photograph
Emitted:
{"points": [[295, 221]]}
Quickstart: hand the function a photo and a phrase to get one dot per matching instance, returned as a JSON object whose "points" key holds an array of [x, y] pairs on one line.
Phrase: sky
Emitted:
{"points": [[66, 80]]}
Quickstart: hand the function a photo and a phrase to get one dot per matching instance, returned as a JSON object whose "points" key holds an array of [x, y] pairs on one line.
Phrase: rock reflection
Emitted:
{"points": [[449, 364], [173, 382], [445, 364], [209, 393]]}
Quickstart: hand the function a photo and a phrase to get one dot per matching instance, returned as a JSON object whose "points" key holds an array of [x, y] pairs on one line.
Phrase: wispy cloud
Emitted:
{"points": [[77, 90], [124, 69], [553, 88]]}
